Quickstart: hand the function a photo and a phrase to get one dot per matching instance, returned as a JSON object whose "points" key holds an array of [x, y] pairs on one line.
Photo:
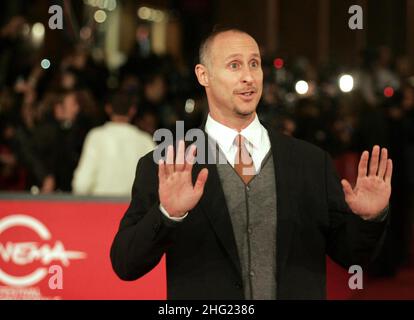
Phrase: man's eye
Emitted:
{"points": [[234, 65], [254, 64]]}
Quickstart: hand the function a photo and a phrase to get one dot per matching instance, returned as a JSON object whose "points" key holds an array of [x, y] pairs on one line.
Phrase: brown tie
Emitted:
{"points": [[243, 163]]}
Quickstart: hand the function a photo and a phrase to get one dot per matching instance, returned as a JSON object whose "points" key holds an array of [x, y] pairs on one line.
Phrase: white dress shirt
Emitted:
{"points": [[258, 144]]}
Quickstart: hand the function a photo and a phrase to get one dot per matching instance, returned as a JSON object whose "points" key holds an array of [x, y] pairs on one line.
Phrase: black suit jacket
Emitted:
{"points": [[313, 220]]}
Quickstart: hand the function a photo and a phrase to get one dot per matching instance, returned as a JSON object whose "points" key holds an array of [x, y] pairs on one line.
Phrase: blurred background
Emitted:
{"points": [[341, 89]]}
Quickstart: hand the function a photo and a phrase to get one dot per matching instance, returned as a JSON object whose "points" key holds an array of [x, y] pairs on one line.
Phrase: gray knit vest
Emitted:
{"points": [[252, 210]]}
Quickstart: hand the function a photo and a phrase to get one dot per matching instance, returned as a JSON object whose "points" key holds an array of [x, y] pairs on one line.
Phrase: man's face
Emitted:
{"points": [[235, 76]]}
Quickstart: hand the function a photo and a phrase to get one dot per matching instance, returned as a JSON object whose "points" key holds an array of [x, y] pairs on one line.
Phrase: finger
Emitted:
{"points": [[170, 160], [161, 171], [190, 158], [346, 186], [363, 165], [201, 181], [179, 161], [383, 163], [388, 171], [373, 164]]}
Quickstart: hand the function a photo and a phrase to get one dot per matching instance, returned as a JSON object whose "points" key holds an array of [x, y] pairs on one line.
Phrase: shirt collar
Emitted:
{"points": [[225, 136], [253, 133]]}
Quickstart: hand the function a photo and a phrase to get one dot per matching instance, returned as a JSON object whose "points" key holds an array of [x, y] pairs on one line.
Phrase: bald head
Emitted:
{"points": [[205, 51]]}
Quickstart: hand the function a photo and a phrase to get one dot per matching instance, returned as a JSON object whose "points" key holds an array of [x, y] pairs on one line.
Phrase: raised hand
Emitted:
{"points": [[176, 191], [372, 191]]}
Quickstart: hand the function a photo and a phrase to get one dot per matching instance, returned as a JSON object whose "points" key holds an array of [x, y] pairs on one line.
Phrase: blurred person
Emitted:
{"points": [[130, 84], [365, 77], [110, 152], [10, 50], [93, 113], [58, 139], [140, 55], [270, 105], [372, 127], [21, 112], [375, 74], [260, 225], [403, 67], [142, 47], [18, 114], [342, 119], [69, 79], [311, 126], [12, 174], [288, 126], [155, 111], [80, 71], [384, 73]]}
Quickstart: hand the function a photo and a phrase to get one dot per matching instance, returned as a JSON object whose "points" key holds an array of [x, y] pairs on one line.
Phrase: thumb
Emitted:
{"points": [[346, 187]]}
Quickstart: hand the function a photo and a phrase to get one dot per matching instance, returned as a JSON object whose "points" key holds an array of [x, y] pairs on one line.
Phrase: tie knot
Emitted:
{"points": [[240, 140]]}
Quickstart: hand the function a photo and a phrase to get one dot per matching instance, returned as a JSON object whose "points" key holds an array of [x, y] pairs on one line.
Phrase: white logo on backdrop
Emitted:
{"points": [[24, 253]]}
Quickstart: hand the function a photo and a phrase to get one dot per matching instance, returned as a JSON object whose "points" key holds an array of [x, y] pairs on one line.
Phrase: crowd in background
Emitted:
{"points": [[46, 113]]}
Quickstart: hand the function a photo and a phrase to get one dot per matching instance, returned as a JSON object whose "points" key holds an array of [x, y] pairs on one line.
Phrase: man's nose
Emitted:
{"points": [[247, 76]]}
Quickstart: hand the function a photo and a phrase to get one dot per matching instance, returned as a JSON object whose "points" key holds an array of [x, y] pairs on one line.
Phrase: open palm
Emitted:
{"points": [[176, 191], [372, 191]]}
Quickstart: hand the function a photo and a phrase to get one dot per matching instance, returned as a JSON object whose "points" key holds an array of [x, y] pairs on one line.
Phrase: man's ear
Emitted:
{"points": [[202, 74]]}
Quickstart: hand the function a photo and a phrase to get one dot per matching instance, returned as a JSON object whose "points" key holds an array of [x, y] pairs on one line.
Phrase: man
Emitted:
{"points": [[110, 152], [231, 234]]}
